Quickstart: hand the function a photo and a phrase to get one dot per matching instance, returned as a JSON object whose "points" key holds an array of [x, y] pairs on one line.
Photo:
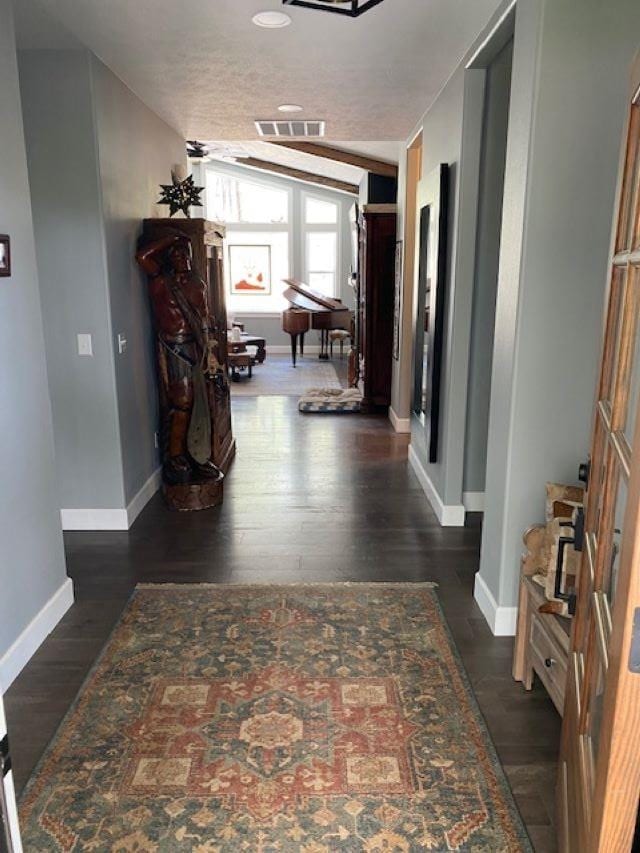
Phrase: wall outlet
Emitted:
{"points": [[122, 343], [85, 344]]}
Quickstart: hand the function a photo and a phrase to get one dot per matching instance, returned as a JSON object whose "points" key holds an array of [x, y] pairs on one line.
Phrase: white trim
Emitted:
{"points": [[412, 140], [494, 30], [94, 519], [143, 496], [473, 501], [399, 424], [501, 620], [449, 515], [112, 519], [10, 794], [43, 623]]}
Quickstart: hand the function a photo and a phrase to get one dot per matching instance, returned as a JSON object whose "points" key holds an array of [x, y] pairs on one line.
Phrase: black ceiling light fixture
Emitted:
{"points": [[350, 8]]}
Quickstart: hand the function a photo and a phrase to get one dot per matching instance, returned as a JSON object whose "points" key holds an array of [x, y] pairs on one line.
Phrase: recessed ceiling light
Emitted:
{"points": [[271, 20], [290, 108]]}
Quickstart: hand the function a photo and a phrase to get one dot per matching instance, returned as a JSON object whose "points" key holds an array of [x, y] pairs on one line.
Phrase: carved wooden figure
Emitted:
{"points": [[190, 374]]}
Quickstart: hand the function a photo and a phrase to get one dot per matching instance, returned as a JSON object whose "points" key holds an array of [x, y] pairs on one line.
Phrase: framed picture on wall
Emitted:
{"points": [[5, 255], [397, 302], [250, 269]]}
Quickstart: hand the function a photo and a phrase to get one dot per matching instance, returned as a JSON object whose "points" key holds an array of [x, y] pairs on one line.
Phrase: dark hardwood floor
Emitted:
{"points": [[309, 498]]}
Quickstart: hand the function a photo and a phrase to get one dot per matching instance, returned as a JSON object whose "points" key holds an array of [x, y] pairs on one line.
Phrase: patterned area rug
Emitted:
{"points": [[277, 377], [293, 718]]}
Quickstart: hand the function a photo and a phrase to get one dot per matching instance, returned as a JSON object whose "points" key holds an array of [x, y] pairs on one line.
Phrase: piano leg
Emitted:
{"points": [[294, 347], [324, 342]]}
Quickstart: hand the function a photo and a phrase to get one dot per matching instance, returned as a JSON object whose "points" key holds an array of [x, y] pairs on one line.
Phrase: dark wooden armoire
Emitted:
{"points": [[208, 261], [372, 358]]}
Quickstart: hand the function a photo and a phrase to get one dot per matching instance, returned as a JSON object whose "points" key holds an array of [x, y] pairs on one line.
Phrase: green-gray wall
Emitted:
{"points": [[550, 299], [136, 152], [96, 157], [569, 89], [32, 565], [491, 186], [59, 122]]}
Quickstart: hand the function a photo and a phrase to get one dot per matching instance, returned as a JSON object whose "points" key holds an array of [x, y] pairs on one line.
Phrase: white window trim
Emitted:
{"points": [[321, 228], [260, 181], [253, 227]]}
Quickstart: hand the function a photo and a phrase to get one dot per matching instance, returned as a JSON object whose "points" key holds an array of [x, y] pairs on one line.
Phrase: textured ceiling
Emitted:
{"points": [[209, 72]]}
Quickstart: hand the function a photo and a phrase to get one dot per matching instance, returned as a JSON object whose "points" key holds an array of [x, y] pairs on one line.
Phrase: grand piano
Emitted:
{"points": [[312, 310]]}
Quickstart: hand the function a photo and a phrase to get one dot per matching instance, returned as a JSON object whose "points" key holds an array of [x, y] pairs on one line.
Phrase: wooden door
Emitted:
{"points": [[599, 772]]}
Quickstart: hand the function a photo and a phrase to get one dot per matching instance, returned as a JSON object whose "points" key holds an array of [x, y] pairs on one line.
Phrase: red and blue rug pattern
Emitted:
{"points": [[274, 718]]}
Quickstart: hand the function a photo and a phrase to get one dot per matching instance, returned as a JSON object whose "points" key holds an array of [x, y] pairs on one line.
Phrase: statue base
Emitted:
{"points": [[188, 497]]}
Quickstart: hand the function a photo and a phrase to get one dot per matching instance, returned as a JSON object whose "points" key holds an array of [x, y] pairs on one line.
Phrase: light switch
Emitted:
{"points": [[85, 344], [122, 344]]}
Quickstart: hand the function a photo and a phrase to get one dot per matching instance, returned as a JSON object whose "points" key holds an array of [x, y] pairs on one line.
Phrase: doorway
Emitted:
{"points": [[497, 65]]}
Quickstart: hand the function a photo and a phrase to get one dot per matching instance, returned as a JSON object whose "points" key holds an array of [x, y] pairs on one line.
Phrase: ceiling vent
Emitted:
{"points": [[290, 129]]}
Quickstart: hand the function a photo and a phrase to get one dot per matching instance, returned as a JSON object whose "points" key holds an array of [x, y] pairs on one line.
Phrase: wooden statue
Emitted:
{"points": [[190, 375]]}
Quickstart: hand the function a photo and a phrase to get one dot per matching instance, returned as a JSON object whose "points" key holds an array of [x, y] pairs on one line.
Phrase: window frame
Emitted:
{"points": [[334, 228], [238, 228], [261, 182]]}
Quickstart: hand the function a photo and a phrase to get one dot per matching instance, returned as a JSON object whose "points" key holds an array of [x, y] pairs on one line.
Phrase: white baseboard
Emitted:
{"points": [[143, 496], [399, 424], [94, 519], [449, 515], [501, 620], [112, 519], [473, 501], [43, 623]]}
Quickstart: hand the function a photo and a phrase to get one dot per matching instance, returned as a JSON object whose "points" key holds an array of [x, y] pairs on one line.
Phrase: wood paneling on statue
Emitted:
{"points": [[184, 265]]}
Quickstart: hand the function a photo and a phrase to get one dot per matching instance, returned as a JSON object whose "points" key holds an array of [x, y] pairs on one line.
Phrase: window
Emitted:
{"points": [[321, 261], [319, 212], [274, 230], [321, 221], [232, 199], [257, 242]]}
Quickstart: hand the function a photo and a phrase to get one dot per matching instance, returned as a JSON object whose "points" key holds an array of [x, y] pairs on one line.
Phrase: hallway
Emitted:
{"points": [[307, 499]]}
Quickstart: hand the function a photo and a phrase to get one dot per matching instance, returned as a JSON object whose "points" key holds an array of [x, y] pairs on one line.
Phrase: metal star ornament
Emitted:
{"points": [[180, 195]]}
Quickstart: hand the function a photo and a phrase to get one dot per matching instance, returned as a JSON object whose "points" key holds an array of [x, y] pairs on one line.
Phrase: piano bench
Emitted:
{"points": [[341, 336], [240, 361]]}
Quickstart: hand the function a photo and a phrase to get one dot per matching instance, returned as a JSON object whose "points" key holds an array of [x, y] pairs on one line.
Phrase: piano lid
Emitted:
{"points": [[302, 296]]}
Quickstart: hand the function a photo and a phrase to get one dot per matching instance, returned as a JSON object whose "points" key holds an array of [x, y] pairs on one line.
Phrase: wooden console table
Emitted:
{"points": [[542, 644]]}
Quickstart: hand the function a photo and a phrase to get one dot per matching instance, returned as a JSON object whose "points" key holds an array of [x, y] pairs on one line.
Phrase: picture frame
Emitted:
{"points": [[5, 256], [397, 301], [249, 269]]}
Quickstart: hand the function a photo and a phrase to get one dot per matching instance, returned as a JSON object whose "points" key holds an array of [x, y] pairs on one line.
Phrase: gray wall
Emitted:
{"points": [[550, 303], [136, 151], [452, 134], [32, 566], [65, 192], [442, 135], [492, 163], [267, 325], [96, 157]]}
